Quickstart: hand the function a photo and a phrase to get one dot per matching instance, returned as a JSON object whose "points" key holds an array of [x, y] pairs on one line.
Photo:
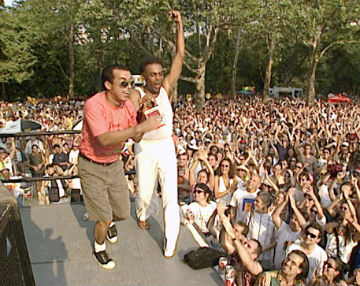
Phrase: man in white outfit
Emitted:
{"points": [[155, 157]]}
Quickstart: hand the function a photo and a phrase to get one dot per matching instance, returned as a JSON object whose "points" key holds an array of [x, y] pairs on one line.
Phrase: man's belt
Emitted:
{"points": [[98, 163]]}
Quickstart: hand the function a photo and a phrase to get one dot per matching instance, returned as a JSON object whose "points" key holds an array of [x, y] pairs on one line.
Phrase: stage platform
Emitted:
{"points": [[59, 245]]}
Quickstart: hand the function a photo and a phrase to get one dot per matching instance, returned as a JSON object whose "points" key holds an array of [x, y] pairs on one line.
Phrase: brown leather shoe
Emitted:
{"points": [[144, 225]]}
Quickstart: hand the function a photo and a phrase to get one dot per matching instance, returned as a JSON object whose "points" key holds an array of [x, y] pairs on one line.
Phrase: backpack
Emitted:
{"points": [[202, 257]]}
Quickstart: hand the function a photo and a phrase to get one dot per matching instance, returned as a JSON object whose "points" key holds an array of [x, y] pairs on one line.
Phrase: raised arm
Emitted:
{"points": [[318, 206], [302, 221], [330, 208], [354, 181], [13, 148], [176, 66], [276, 214], [211, 173], [251, 265], [193, 166]]}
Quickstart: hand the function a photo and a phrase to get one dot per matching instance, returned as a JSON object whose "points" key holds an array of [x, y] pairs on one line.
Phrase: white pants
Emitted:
{"points": [[155, 160]]}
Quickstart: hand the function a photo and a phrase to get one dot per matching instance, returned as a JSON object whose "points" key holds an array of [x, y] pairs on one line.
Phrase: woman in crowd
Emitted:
{"points": [[225, 182], [332, 274], [202, 209]]}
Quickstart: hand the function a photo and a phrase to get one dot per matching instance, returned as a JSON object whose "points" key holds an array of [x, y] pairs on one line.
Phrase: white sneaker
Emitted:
{"points": [[104, 261], [169, 252]]}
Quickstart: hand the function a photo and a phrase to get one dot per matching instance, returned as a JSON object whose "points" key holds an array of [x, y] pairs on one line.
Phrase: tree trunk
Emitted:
{"points": [[234, 67], [200, 85], [3, 91], [311, 79], [314, 60], [71, 61], [100, 67], [270, 63]]}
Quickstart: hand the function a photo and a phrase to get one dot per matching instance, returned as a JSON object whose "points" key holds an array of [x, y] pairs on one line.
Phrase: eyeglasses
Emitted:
{"points": [[125, 83], [311, 234]]}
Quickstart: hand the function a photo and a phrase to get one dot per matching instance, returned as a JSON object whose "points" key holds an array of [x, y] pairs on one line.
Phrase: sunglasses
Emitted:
{"points": [[344, 208], [225, 166], [125, 83], [199, 191], [298, 167], [311, 234]]}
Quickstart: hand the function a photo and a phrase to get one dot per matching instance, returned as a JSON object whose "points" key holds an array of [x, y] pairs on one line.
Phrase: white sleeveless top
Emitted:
{"points": [[164, 132]]}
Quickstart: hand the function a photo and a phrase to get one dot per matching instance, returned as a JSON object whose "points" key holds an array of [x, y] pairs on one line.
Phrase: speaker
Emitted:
{"points": [[15, 266]]}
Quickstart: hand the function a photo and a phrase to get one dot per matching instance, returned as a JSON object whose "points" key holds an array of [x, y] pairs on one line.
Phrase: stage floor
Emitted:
{"points": [[59, 245]]}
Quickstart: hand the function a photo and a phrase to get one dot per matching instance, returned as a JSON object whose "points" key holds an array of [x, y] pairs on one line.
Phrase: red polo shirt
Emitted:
{"points": [[101, 117]]}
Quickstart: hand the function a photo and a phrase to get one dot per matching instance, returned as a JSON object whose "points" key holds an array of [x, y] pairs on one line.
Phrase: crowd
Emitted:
{"points": [[38, 156], [273, 185], [270, 181]]}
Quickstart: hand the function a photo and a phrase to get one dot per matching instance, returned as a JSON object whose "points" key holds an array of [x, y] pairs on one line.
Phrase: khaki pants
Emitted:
{"points": [[105, 192]]}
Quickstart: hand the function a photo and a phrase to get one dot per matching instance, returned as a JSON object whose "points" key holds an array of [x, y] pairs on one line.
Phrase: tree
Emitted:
{"points": [[151, 30], [16, 58], [327, 23], [204, 21], [276, 22]]}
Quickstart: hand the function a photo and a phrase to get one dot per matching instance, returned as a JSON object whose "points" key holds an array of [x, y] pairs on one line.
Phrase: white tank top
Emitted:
{"points": [[164, 132]]}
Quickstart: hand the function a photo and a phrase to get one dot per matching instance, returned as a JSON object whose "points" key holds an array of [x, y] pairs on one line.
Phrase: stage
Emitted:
{"points": [[59, 245]]}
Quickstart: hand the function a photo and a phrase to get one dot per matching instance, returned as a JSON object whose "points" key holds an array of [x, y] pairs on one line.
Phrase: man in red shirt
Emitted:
{"points": [[109, 120]]}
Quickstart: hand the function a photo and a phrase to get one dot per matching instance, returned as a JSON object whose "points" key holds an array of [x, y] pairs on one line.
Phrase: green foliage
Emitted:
{"points": [[37, 40], [16, 58]]}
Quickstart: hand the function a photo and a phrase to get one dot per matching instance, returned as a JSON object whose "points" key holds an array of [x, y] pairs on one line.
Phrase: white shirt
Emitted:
{"points": [[164, 107], [345, 249], [73, 156], [243, 201], [316, 258], [283, 236], [202, 214], [262, 228], [324, 195]]}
